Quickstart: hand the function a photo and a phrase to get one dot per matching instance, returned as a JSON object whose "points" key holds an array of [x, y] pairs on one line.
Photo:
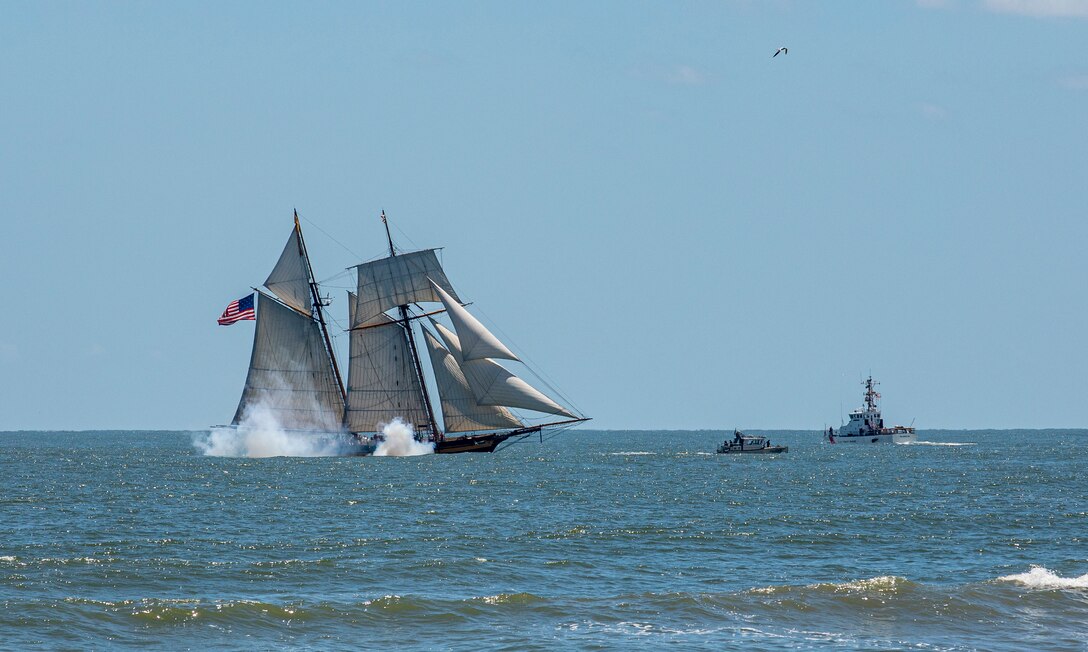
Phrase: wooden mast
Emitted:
{"points": [[406, 321], [317, 309]]}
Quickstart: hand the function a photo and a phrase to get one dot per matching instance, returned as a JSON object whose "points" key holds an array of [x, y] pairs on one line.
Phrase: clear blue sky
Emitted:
{"points": [[681, 231]]}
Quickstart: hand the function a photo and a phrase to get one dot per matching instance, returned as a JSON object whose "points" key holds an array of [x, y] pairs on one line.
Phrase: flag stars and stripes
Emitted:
{"points": [[238, 310]]}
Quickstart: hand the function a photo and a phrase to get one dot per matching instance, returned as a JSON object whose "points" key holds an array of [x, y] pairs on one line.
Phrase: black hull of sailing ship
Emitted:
{"points": [[479, 443]]}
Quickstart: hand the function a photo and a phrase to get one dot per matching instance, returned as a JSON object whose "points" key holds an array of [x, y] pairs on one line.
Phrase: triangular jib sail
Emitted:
{"points": [[476, 341], [290, 278], [460, 412], [492, 384]]}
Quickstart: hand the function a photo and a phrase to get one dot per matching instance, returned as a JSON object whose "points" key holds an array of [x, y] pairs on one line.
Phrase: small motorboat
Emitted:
{"points": [[742, 443]]}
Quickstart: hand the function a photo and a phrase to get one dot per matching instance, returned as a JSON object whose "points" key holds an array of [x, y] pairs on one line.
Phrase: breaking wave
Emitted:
{"points": [[883, 584], [1042, 578]]}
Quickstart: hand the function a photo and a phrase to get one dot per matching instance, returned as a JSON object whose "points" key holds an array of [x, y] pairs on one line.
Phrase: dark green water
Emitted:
{"points": [[594, 540]]}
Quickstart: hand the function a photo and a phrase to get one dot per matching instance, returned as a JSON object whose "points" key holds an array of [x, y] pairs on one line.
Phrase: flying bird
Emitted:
{"points": [[780, 51]]}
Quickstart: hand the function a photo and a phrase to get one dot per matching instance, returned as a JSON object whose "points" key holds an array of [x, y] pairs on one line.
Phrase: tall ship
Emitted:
{"points": [[867, 426], [294, 379]]}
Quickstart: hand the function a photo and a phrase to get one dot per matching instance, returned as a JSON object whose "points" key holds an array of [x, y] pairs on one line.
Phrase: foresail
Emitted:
{"points": [[460, 412], [453, 345], [382, 380], [492, 384], [396, 281], [290, 278], [290, 381], [477, 342]]}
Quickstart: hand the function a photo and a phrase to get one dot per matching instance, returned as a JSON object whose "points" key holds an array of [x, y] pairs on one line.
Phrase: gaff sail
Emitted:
{"points": [[290, 374]]}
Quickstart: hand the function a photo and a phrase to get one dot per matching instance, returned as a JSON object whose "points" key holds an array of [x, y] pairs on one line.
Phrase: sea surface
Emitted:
{"points": [[588, 541]]}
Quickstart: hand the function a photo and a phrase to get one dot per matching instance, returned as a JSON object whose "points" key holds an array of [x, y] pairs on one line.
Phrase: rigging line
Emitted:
{"points": [[345, 272], [401, 231], [376, 257], [327, 235], [336, 321]]}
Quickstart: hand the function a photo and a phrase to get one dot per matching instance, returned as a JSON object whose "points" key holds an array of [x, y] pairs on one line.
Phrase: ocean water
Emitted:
{"points": [[592, 540]]}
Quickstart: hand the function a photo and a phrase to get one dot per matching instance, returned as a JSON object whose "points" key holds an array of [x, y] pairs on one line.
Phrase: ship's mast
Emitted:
{"points": [[871, 394], [316, 296], [407, 323]]}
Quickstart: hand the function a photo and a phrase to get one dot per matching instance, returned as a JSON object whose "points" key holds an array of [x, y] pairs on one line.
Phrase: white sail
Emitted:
{"points": [[397, 281], [477, 342], [492, 384], [290, 375], [290, 278], [382, 379], [460, 412], [453, 345]]}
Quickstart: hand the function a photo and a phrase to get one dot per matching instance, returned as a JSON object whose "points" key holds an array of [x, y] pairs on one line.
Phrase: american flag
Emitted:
{"points": [[237, 311], [383, 216]]}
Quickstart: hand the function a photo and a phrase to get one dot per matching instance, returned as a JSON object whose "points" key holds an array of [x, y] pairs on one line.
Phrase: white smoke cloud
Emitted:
{"points": [[398, 440], [261, 435]]}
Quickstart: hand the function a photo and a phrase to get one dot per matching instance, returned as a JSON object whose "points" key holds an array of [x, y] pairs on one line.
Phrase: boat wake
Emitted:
{"points": [[398, 440], [1042, 578], [938, 443]]}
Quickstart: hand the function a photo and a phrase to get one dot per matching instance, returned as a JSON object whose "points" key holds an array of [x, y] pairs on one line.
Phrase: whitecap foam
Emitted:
{"points": [[882, 583], [1043, 578], [633, 453], [939, 443]]}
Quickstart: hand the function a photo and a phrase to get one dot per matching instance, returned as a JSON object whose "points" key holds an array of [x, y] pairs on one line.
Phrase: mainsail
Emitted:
{"points": [[382, 380], [290, 373]]}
